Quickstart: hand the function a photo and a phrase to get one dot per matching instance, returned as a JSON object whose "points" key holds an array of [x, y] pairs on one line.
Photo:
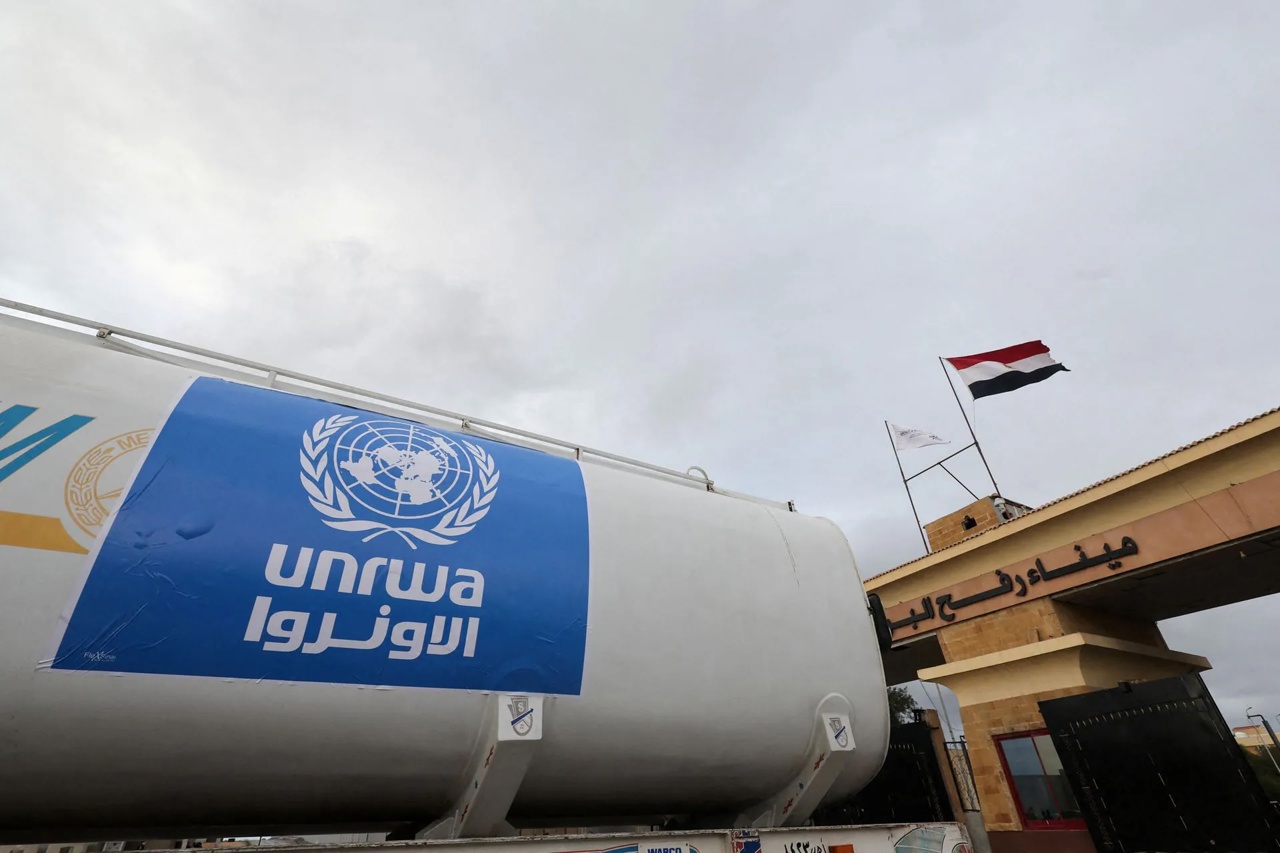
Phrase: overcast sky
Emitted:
{"points": [[730, 234]]}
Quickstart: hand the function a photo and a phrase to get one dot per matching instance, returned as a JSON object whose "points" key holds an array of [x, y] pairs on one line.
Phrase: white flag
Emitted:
{"points": [[906, 438]]}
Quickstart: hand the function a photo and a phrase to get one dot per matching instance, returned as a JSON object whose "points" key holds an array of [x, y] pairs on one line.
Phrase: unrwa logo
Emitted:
{"points": [[374, 476]]}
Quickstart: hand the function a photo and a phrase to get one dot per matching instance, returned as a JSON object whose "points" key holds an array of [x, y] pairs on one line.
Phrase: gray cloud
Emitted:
{"points": [[737, 235], [340, 306]]}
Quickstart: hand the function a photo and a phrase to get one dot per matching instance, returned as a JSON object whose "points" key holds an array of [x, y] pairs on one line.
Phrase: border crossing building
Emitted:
{"points": [[1016, 608]]}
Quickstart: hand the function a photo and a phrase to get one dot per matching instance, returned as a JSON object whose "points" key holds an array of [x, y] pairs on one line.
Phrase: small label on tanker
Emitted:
{"points": [[272, 536]]}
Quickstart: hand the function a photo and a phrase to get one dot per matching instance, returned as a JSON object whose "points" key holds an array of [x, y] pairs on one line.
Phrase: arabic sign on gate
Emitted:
{"points": [[1179, 530], [273, 536], [940, 608]]}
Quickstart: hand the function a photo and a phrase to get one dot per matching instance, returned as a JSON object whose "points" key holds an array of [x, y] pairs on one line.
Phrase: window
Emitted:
{"points": [[1038, 782]]}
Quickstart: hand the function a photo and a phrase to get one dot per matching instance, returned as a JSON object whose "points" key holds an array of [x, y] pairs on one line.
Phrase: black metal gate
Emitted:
{"points": [[1155, 768], [908, 789]]}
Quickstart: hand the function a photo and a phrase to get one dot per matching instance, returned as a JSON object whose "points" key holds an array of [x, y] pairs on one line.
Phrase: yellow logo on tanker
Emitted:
{"points": [[98, 479]]}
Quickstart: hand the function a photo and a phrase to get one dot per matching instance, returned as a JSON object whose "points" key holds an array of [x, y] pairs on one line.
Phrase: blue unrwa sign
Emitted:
{"points": [[271, 536]]}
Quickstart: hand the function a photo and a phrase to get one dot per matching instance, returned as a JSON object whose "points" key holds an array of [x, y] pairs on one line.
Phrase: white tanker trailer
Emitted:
{"points": [[236, 596]]}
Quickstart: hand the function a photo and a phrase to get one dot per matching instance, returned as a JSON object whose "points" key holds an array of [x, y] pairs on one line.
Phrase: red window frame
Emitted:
{"points": [[1027, 823]]}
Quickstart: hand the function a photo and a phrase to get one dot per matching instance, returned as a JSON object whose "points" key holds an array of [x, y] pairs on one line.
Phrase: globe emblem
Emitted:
{"points": [[402, 470]]}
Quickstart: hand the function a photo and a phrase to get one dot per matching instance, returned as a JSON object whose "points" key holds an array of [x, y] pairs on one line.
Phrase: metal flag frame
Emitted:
{"points": [[941, 463], [906, 481]]}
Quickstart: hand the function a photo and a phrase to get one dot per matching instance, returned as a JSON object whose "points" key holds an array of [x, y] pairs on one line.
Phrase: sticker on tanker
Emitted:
{"points": [[272, 536]]}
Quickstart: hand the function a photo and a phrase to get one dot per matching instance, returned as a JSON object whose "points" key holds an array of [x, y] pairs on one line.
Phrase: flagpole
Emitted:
{"points": [[972, 435], [906, 486]]}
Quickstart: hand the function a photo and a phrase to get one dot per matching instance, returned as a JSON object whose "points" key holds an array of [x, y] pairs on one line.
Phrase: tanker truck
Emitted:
{"points": [[238, 597]]}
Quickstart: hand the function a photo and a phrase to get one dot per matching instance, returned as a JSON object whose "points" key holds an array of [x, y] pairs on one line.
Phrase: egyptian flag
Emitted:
{"points": [[1007, 369]]}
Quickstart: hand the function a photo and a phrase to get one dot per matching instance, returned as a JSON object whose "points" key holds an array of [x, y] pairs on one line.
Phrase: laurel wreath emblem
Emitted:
{"points": [[332, 502]]}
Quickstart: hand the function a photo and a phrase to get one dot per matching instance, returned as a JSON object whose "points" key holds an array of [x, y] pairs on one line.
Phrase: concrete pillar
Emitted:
{"points": [[1000, 666]]}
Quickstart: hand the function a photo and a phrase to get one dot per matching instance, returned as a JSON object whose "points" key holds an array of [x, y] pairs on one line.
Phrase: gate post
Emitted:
{"points": [[1002, 665]]}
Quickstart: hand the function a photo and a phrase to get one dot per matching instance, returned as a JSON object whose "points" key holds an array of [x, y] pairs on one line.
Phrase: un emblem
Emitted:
{"points": [[383, 476]]}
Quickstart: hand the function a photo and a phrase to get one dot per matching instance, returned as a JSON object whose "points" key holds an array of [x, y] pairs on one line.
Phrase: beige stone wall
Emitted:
{"points": [[1040, 619], [950, 529], [1005, 716], [1005, 629], [1086, 620], [1048, 676]]}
